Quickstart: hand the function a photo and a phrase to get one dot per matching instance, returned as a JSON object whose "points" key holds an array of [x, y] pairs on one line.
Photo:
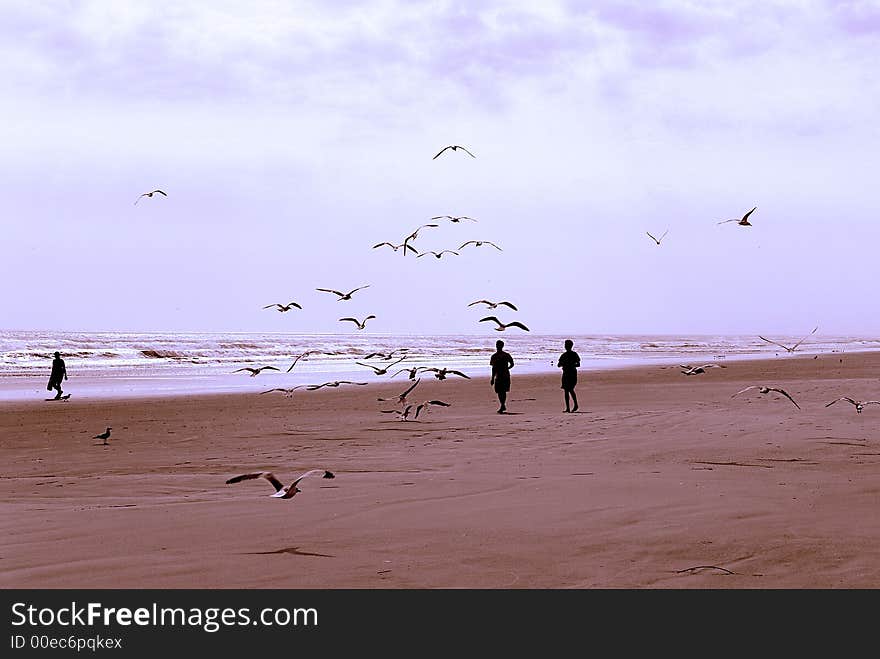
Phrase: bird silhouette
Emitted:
{"points": [[479, 243], [493, 305], [412, 371], [384, 370], [441, 373], [453, 218], [438, 254], [255, 371], [281, 491], [743, 221], [397, 247], [149, 194], [766, 390], [503, 326], [361, 324], [286, 392], [859, 404], [342, 296], [454, 147], [283, 307], [792, 348], [104, 435], [401, 398], [698, 370], [335, 383], [657, 240], [427, 404]]}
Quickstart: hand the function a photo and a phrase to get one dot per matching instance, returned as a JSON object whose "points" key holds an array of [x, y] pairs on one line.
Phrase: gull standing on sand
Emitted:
{"points": [[342, 296], [381, 371], [503, 326], [657, 240], [361, 324], [454, 147], [401, 398], [149, 194], [743, 221], [860, 404], [283, 307], [493, 305], [792, 348], [698, 370], [453, 218], [281, 491], [104, 435], [766, 390], [256, 371], [479, 243]]}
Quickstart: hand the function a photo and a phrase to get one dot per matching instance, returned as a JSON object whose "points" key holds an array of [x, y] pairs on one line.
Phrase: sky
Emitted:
{"points": [[290, 137]]}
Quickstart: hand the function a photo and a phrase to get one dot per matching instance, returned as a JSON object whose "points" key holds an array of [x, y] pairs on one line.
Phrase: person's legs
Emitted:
{"points": [[574, 399], [57, 387], [566, 401], [502, 398]]}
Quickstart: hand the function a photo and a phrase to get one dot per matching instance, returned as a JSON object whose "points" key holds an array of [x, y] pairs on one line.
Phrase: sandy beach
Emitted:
{"points": [[660, 481]]}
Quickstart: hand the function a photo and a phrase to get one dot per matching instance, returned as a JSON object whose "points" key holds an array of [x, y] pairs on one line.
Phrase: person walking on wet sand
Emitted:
{"points": [[59, 373], [501, 363], [569, 362]]}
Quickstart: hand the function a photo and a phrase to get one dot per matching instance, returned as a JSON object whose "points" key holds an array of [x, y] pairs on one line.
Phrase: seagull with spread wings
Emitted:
{"points": [[427, 404], [286, 392], [281, 491], [503, 326], [415, 234], [412, 371], [859, 404], [335, 383], [298, 357], [766, 390], [397, 247], [743, 221], [454, 147], [402, 415], [698, 370], [453, 218], [256, 371], [361, 324], [385, 355], [342, 296], [493, 305], [283, 307], [438, 254], [441, 373], [149, 194], [792, 348], [479, 243], [657, 240], [401, 398], [384, 370]]}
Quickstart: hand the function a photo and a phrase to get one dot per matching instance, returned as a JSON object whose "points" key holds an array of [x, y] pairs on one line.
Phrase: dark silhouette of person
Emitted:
{"points": [[501, 363], [59, 373], [569, 362]]}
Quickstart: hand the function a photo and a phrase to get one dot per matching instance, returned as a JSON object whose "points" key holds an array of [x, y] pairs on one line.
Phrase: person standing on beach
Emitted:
{"points": [[501, 363], [569, 362], [59, 373]]}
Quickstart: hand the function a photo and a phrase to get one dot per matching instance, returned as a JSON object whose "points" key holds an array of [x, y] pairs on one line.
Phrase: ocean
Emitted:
{"points": [[138, 363]]}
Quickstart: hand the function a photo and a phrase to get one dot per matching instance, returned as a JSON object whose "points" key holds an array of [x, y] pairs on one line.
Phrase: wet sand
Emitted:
{"points": [[660, 481]]}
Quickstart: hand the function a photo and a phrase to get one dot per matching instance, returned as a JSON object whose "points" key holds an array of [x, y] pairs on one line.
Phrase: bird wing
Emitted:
{"points": [[368, 365], [358, 288], [354, 320], [653, 238], [438, 402], [516, 323], [489, 242], [324, 472], [664, 235], [295, 304], [330, 290], [746, 216], [785, 393], [380, 244], [441, 151], [773, 342], [403, 395], [509, 304], [726, 221], [246, 368], [409, 247], [480, 302], [460, 373], [161, 193], [469, 242], [268, 475], [467, 152], [269, 306], [742, 391], [805, 338], [493, 319], [846, 398], [267, 368], [451, 251]]}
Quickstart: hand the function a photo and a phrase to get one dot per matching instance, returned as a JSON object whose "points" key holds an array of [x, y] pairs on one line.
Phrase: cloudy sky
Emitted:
{"points": [[292, 136]]}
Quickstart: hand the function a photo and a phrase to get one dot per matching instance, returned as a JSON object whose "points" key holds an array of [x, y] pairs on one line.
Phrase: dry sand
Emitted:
{"points": [[659, 473]]}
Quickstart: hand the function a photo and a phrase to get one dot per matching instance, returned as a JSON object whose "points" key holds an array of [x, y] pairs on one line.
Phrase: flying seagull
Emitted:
{"points": [[415, 234], [454, 147], [792, 348], [342, 296], [860, 404], [335, 383], [386, 355], [743, 221], [478, 243], [286, 392], [397, 247], [502, 326], [427, 404], [256, 371], [104, 435], [766, 390], [361, 324], [698, 370], [441, 373], [402, 415], [283, 307], [382, 371], [401, 398], [453, 218], [150, 194], [493, 305], [438, 254], [657, 240], [298, 357], [281, 491], [412, 371]]}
